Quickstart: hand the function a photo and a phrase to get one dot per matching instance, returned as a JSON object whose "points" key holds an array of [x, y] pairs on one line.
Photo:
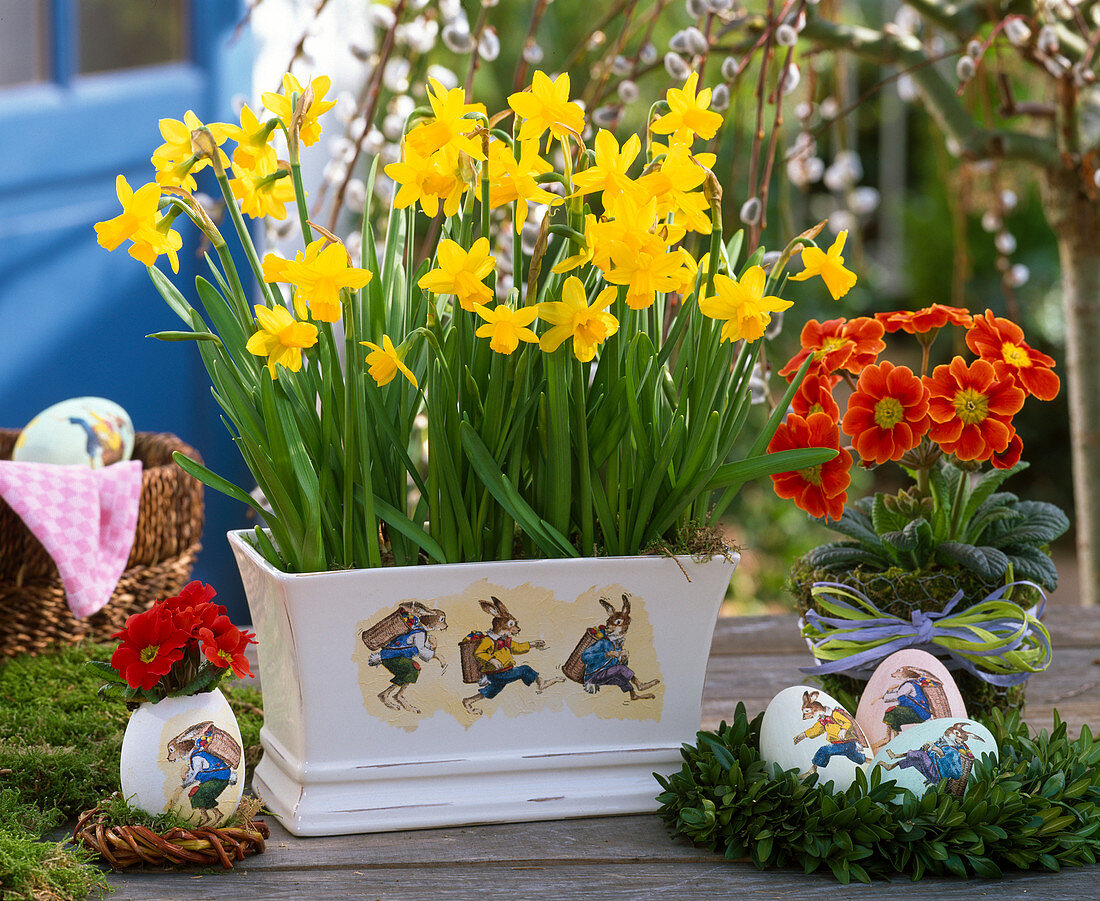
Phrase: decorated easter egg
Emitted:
{"points": [[945, 748], [806, 730], [908, 688], [92, 431]]}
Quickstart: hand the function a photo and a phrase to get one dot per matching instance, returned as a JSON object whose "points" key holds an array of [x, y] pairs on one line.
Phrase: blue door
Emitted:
{"points": [[83, 84]]}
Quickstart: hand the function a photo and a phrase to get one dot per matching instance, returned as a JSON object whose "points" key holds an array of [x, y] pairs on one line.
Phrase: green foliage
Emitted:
{"points": [[968, 524], [59, 756], [1036, 807]]}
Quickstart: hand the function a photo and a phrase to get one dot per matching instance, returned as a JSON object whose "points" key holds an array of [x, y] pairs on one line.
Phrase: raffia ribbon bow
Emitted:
{"points": [[996, 640]]}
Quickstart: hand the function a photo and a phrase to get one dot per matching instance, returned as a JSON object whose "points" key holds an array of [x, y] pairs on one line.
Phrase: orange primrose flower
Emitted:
{"points": [[1001, 342], [888, 413], [821, 490], [850, 344], [972, 409], [926, 319], [815, 395]]}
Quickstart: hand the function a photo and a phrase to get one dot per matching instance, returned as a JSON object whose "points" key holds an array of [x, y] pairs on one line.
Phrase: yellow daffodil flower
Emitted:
{"points": [[254, 151], [448, 128], [546, 106], [445, 175], [175, 160], [505, 327], [689, 114], [645, 273], [280, 338], [610, 171], [512, 180], [318, 278], [461, 273], [675, 186], [572, 317], [829, 265], [743, 305], [386, 361], [282, 105], [584, 255], [263, 192], [138, 223]]}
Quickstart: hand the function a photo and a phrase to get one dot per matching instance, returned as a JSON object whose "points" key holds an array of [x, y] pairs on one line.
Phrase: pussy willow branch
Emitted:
{"points": [[520, 81], [374, 90], [582, 47], [975, 140], [596, 87], [961, 19], [475, 54], [299, 48]]}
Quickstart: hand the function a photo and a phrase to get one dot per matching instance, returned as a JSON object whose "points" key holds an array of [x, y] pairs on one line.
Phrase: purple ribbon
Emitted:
{"points": [[921, 632]]}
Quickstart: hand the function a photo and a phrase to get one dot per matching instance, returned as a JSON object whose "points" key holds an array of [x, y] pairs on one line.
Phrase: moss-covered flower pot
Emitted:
{"points": [[899, 592]]}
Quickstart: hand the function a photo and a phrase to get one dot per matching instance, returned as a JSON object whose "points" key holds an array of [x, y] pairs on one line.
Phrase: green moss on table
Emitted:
{"points": [[59, 756]]}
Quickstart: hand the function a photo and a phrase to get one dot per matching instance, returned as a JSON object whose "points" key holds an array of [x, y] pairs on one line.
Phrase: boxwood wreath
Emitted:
{"points": [[1037, 807]]}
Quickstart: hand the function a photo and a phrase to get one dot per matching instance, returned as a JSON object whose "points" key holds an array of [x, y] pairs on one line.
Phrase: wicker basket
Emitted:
{"points": [[574, 667], [471, 666], [33, 610], [385, 630]]}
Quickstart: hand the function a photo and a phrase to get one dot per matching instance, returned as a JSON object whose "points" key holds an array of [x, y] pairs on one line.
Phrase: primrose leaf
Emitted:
{"points": [[987, 562]]}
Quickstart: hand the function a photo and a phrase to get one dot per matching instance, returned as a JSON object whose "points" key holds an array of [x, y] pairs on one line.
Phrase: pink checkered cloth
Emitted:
{"points": [[85, 519]]}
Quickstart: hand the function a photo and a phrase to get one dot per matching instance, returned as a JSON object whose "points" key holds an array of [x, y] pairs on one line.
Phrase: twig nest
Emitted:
{"points": [[123, 846]]}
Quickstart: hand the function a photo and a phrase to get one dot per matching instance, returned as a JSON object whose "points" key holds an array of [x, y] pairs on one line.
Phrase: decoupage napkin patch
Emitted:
{"points": [[85, 518]]}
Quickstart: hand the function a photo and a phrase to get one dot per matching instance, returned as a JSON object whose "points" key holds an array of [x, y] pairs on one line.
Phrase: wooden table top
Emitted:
{"points": [[631, 857]]}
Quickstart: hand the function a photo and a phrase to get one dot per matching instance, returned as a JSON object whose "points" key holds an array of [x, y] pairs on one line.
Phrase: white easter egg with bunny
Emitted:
{"points": [[806, 730], [81, 431], [944, 748]]}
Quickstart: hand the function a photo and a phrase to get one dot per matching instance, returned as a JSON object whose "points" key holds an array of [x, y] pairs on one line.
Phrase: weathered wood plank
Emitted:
{"points": [[611, 840], [419, 878]]}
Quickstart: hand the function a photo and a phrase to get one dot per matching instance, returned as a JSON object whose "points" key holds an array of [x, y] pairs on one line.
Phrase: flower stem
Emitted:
{"points": [[957, 504], [245, 238]]}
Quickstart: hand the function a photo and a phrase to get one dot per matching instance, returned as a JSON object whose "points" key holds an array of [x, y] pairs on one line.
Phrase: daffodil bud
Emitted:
{"points": [[713, 192], [205, 147]]}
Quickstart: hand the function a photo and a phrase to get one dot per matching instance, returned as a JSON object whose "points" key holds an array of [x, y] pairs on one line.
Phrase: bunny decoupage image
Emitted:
{"points": [[402, 648], [600, 658], [494, 654], [515, 646]]}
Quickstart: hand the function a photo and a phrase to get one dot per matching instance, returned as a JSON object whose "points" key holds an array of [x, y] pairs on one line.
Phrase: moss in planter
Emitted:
{"points": [[899, 592]]}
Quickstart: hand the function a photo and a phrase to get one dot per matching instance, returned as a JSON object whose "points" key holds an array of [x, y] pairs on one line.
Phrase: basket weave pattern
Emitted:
{"points": [[33, 610]]}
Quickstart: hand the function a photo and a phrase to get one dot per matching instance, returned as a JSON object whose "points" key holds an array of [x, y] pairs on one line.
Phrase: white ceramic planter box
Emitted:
{"points": [[352, 744]]}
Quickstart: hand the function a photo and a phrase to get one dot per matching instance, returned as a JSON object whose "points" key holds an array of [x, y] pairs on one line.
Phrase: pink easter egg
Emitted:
{"points": [[908, 688]]}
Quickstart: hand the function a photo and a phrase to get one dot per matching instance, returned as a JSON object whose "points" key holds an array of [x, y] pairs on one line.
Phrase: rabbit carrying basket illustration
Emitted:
{"points": [[221, 743], [386, 630], [471, 669], [574, 667]]}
